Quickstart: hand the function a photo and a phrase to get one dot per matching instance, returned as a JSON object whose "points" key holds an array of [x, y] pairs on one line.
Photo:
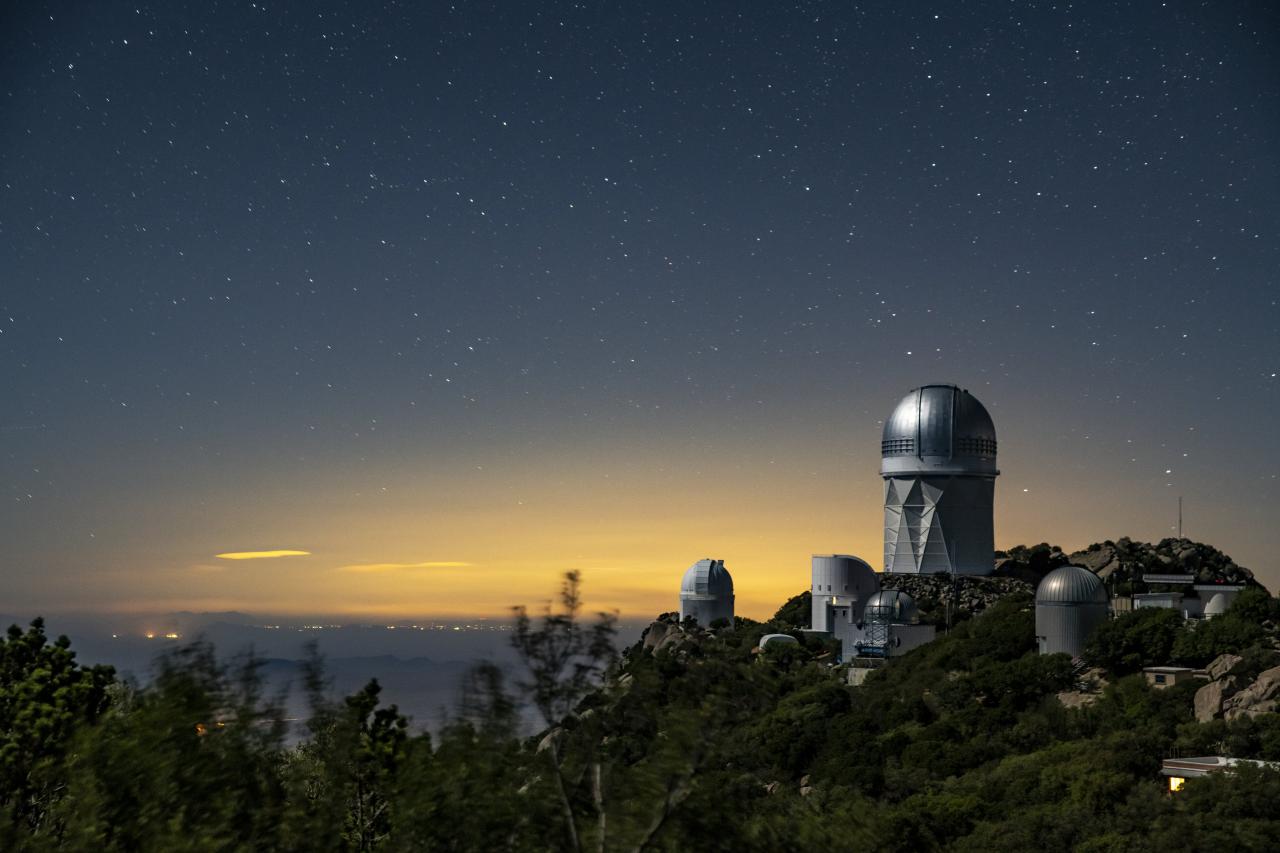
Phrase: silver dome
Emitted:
{"points": [[889, 605], [939, 429], [1071, 585], [707, 578]]}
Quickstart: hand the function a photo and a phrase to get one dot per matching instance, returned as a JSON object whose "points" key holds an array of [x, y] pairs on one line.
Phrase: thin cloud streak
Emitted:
{"points": [[394, 567], [260, 555]]}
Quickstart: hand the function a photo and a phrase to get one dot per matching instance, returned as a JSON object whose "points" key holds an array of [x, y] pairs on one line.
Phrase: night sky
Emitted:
{"points": [[457, 297]]}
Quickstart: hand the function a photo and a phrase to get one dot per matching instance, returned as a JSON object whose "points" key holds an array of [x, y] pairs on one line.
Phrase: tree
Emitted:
{"points": [[190, 762], [45, 698], [563, 660], [342, 779], [1143, 637]]}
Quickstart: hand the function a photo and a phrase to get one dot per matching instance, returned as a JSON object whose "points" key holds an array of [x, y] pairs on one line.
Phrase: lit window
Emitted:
{"points": [[1176, 783]]}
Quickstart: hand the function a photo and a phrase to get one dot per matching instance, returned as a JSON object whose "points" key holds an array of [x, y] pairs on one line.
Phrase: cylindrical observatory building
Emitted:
{"points": [[706, 593], [1071, 602], [938, 460]]}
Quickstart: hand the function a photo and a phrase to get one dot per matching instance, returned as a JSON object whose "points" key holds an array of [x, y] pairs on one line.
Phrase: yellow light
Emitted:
{"points": [[171, 636], [150, 635], [1176, 783]]}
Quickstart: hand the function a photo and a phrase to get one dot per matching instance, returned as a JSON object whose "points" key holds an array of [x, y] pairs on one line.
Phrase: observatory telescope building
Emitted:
{"points": [[938, 460], [1070, 603], [840, 589], [706, 593]]}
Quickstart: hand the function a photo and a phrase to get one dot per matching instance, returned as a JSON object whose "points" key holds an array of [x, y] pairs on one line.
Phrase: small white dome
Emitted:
{"points": [[1218, 603], [778, 640]]}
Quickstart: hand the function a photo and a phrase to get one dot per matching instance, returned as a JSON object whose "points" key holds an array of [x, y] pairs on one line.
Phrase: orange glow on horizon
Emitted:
{"points": [[457, 541]]}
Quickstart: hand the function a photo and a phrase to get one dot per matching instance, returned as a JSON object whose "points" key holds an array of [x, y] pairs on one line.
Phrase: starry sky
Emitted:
{"points": [[454, 297]]}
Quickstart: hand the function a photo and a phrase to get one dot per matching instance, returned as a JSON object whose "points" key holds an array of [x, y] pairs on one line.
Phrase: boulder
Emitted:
{"points": [[1221, 665], [1103, 562], [663, 635], [656, 633], [1209, 699], [1257, 698]]}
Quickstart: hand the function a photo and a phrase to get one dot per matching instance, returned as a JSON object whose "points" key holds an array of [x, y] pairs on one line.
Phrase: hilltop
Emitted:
{"points": [[690, 739], [1019, 569], [1124, 562]]}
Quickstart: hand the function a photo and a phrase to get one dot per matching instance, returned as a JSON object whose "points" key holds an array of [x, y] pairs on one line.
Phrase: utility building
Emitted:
{"points": [[706, 593], [938, 461]]}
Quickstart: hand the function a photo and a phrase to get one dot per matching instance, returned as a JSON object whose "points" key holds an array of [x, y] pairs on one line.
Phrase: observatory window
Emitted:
{"points": [[897, 446]]}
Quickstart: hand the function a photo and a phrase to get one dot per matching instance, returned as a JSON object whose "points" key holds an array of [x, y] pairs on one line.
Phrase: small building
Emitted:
{"points": [[1167, 676], [1166, 600], [1179, 770]]}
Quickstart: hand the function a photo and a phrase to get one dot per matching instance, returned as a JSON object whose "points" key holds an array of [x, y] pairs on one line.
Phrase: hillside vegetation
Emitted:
{"points": [[689, 740]]}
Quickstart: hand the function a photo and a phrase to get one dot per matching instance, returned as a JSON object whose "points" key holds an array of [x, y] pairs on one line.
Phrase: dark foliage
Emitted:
{"points": [[708, 744]]}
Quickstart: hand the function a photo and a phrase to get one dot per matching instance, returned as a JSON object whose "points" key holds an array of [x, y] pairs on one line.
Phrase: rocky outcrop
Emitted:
{"points": [[1221, 665], [1261, 697], [1104, 562], [1209, 699], [1129, 560], [1224, 696], [663, 634], [933, 593]]}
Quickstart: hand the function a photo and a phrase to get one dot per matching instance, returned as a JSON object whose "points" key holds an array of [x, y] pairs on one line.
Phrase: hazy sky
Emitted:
{"points": [[456, 297]]}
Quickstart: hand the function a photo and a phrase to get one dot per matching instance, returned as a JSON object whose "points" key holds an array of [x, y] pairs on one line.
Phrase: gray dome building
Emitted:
{"points": [[1070, 603], [841, 586], [706, 593], [938, 461], [890, 606]]}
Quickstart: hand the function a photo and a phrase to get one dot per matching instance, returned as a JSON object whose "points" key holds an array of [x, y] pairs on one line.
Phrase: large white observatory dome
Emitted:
{"points": [[1070, 603], [938, 461], [938, 429], [706, 593]]}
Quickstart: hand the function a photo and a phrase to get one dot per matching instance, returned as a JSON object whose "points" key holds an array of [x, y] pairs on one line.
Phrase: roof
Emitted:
{"points": [[939, 429], [707, 578], [1159, 578], [1071, 586], [1206, 764]]}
